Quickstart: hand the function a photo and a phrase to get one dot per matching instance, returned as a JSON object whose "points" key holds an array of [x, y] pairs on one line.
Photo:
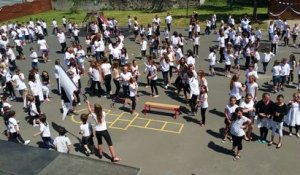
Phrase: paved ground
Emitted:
{"points": [[159, 144]]}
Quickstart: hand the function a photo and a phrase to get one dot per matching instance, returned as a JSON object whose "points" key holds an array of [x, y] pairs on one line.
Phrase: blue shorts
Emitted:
{"points": [[276, 80], [282, 79]]}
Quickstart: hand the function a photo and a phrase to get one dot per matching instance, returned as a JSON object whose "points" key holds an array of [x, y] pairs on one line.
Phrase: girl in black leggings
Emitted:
{"points": [[153, 79], [101, 130]]}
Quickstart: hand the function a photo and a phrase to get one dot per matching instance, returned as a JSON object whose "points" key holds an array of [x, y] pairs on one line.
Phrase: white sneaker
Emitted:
{"points": [[290, 134], [298, 135], [36, 125], [26, 142], [79, 104]]}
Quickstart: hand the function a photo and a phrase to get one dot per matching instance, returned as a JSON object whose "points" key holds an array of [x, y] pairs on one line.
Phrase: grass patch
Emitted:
{"points": [[179, 15]]}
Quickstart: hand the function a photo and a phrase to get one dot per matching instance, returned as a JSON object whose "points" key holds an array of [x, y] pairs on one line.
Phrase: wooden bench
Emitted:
{"points": [[149, 105]]}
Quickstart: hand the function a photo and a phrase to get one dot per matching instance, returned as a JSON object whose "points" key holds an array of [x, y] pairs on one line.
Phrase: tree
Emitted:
{"points": [[255, 10]]}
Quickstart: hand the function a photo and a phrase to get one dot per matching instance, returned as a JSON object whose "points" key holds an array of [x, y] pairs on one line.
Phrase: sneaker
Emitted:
{"points": [[155, 96], [298, 135], [147, 86], [166, 87], [290, 134], [36, 125], [26, 142], [79, 104], [264, 142]]}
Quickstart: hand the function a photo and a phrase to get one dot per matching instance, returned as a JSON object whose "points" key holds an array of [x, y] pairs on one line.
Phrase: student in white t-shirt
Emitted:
{"points": [[125, 77], [45, 132], [19, 81], [285, 72], [236, 88], [106, 73], [238, 125], [153, 78], [276, 71], [196, 43], [43, 48], [14, 129], [212, 61], [252, 87], [203, 103], [34, 58], [133, 88], [55, 26], [85, 131], [248, 111], [268, 55], [101, 130], [229, 110], [143, 47], [62, 143]]}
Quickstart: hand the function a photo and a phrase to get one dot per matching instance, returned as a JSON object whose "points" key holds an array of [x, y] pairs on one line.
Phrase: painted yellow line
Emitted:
{"points": [[135, 117], [116, 120], [124, 120], [155, 129], [181, 128], [114, 127], [163, 127], [147, 123]]}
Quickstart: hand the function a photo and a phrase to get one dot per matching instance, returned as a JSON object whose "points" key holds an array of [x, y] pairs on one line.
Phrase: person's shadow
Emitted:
{"points": [[218, 148]]}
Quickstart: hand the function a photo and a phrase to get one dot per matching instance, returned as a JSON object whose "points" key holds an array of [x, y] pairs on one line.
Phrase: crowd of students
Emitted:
{"points": [[110, 62]]}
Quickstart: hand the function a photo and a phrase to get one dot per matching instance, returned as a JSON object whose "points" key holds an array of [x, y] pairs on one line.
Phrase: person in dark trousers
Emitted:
{"points": [[264, 110]]}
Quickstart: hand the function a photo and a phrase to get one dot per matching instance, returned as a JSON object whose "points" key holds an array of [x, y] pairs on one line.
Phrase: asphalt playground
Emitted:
{"points": [[157, 143]]}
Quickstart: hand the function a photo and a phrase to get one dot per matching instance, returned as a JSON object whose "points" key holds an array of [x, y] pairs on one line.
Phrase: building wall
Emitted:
{"points": [[23, 9], [286, 9]]}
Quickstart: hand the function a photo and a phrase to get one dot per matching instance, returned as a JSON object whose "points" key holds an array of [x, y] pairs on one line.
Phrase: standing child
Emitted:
{"points": [[143, 47], [133, 88], [293, 64], [45, 132], [274, 43], [280, 110], [208, 26], [87, 139], [268, 55], [229, 110], [276, 71], [203, 103], [293, 117], [129, 23], [33, 113], [212, 61], [238, 125], [196, 44], [237, 56]]}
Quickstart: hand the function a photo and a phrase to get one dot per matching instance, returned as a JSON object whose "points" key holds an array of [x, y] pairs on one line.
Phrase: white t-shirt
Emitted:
{"points": [[85, 130], [132, 90], [228, 58], [230, 110], [34, 88], [276, 70], [19, 80], [251, 88], [34, 57], [236, 129], [56, 67], [267, 57], [285, 70], [125, 78], [169, 19], [164, 66], [61, 37], [203, 99], [43, 44], [100, 126], [12, 125], [249, 105], [106, 68], [212, 58], [190, 60], [152, 71], [144, 45], [235, 91], [45, 130], [62, 143]]}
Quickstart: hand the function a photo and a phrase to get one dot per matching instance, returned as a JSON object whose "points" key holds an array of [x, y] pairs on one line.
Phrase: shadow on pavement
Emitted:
{"points": [[218, 148]]}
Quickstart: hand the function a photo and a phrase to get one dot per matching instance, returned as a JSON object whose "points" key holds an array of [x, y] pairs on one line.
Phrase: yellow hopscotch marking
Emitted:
{"points": [[163, 127], [118, 118], [135, 118]]}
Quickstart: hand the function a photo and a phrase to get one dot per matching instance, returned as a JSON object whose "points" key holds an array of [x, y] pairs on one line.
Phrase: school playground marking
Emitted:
{"points": [[125, 120]]}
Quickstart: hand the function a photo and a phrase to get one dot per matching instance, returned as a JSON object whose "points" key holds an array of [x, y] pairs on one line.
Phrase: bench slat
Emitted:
{"points": [[163, 106]]}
